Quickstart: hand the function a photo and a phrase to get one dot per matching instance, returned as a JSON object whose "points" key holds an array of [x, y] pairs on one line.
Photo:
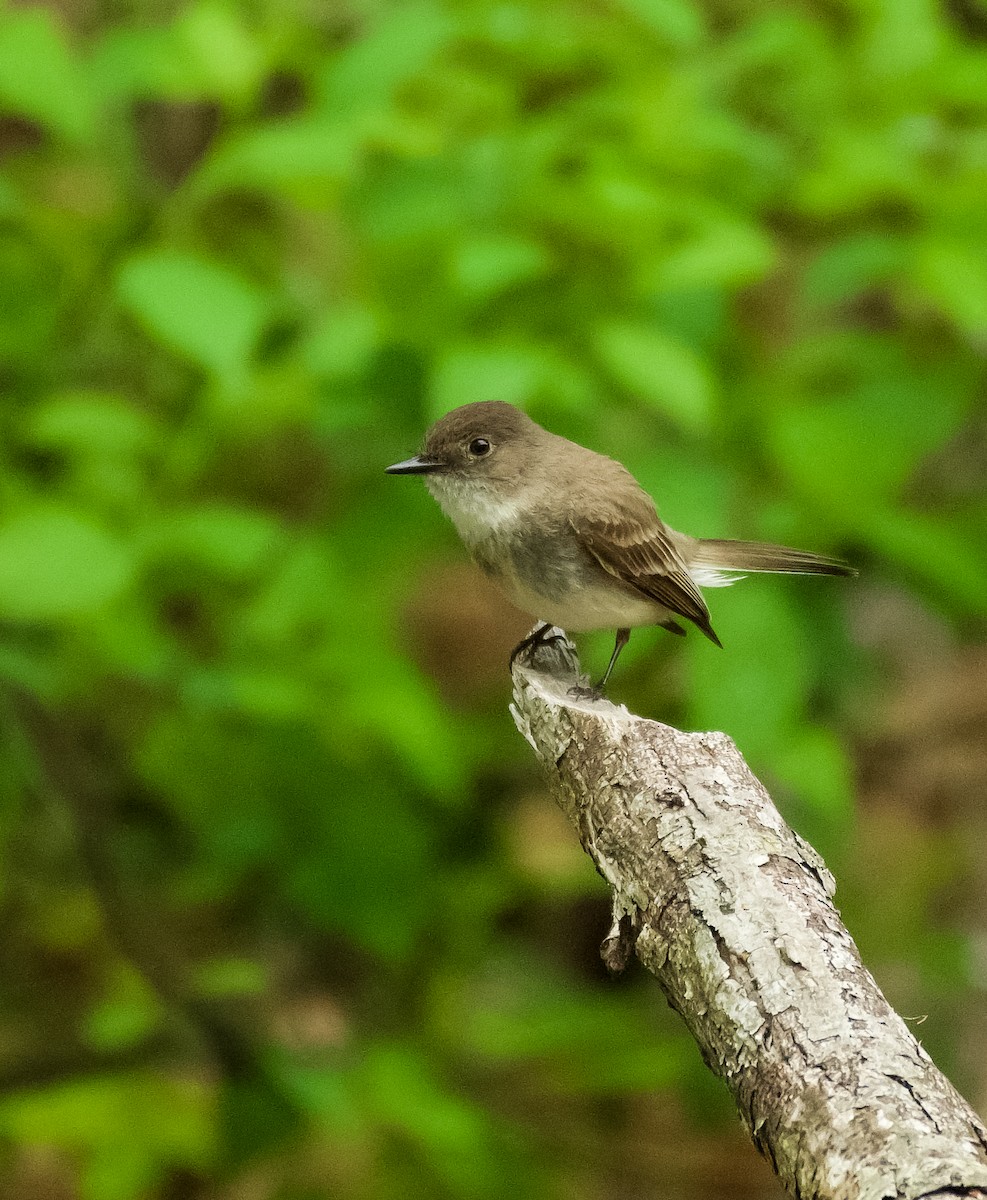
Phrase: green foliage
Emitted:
{"points": [[40, 77], [202, 311], [129, 1132], [56, 564], [255, 757]]}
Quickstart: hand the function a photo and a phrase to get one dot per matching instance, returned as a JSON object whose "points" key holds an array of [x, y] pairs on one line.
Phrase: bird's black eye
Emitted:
{"points": [[478, 447]]}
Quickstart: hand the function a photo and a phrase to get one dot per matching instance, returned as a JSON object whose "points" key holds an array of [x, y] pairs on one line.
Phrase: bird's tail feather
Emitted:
{"points": [[717, 558]]}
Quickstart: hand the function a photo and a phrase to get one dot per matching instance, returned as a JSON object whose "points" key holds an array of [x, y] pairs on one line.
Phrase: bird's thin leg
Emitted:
{"points": [[596, 692], [534, 639], [621, 640]]}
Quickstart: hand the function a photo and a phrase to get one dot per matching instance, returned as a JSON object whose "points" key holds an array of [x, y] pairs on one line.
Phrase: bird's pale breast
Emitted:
{"points": [[539, 563]]}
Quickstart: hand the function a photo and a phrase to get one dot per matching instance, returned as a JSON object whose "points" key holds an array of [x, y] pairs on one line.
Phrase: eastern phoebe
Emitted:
{"points": [[571, 536]]}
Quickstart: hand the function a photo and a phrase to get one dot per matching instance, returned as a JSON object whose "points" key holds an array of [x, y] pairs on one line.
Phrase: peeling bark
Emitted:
{"points": [[732, 912]]}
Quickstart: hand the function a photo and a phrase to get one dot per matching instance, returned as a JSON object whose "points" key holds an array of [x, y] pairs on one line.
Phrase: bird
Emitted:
{"points": [[572, 538]]}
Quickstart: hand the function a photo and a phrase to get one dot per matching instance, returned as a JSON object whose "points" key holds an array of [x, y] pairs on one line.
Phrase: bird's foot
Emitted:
{"points": [[587, 693], [530, 644]]}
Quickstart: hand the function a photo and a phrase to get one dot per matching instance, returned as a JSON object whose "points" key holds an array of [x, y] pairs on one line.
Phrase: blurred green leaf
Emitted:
{"points": [[34, 672], [256, 1117], [660, 371], [954, 275], [208, 51], [860, 444], [218, 50], [291, 155], [204, 311], [56, 565], [693, 493], [933, 550], [416, 199], [292, 601], [92, 424], [39, 75], [602, 1043], [343, 342], [397, 47], [679, 22], [368, 875], [225, 539], [723, 252], [230, 977], [755, 687], [30, 280], [851, 265], [815, 763], [131, 1129], [514, 373], [132, 643], [484, 266], [948, 959], [903, 38], [401, 1086], [326, 1092], [125, 1016], [218, 783], [128, 62]]}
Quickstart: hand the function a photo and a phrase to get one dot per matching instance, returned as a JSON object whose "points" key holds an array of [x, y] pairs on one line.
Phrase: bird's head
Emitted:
{"points": [[488, 443]]}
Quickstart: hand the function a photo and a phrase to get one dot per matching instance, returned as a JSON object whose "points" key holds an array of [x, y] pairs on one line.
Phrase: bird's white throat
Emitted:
{"points": [[476, 511]]}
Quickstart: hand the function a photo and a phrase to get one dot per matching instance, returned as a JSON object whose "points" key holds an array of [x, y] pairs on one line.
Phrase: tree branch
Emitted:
{"points": [[731, 911]]}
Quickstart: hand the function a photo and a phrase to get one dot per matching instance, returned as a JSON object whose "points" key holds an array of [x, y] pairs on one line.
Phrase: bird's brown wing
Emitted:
{"points": [[640, 552]]}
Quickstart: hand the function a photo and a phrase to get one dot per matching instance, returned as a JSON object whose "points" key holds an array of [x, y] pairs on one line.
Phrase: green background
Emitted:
{"points": [[287, 912]]}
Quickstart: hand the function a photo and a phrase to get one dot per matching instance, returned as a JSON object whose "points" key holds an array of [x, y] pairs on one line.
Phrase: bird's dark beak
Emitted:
{"points": [[415, 466]]}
